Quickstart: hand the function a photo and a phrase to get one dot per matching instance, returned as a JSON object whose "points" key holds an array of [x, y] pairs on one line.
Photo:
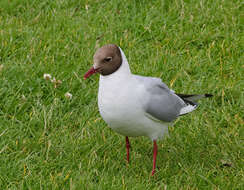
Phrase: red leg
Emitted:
{"points": [[155, 151], [128, 148]]}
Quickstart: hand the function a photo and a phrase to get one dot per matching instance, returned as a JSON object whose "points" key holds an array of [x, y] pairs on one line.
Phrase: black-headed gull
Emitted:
{"points": [[134, 105]]}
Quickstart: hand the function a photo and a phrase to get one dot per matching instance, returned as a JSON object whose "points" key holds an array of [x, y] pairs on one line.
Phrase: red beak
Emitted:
{"points": [[90, 72]]}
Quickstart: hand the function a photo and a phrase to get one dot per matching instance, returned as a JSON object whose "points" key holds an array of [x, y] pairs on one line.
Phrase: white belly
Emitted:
{"points": [[114, 110]]}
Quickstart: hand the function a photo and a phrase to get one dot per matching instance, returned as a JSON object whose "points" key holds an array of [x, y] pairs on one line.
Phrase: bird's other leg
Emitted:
{"points": [[155, 151], [127, 148]]}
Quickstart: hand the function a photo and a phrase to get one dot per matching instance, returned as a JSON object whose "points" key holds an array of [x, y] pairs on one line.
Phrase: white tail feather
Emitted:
{"points": [[187, 109]]}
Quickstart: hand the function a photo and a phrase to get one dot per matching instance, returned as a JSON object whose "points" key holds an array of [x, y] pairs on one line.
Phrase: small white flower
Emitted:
{"points": [[47, 76], [68, 95], [87, 7]]}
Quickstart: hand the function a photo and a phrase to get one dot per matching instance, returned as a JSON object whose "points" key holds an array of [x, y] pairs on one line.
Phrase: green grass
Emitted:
{"points": [[49, 142]]}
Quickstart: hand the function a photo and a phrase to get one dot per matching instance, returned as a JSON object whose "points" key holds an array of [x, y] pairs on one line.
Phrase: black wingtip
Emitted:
{"points": [[208, 95]]}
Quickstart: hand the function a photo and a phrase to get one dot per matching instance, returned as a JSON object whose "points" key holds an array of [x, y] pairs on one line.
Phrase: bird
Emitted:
{"points": [[134, 105]]}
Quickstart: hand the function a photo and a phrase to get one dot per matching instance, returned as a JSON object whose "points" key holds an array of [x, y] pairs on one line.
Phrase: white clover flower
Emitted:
{"points": [[47, 76], [68, 95]]}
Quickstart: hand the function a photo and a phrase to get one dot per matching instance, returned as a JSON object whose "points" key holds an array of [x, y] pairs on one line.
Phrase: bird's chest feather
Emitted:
{"points": [[118, 104]]}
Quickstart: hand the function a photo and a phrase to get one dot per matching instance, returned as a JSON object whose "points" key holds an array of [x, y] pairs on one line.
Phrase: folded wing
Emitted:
{"points": [[162, 103]]}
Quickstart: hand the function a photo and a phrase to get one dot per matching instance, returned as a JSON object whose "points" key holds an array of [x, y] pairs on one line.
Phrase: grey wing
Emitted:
{"points": [[161, 102]]}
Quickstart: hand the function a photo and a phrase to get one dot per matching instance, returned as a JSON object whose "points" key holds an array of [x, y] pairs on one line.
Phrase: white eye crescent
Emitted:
{"points": [[107, 59]]}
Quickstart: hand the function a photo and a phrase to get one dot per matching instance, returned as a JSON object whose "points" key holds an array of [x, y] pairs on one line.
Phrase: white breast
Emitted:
{"points": [[118, 107]]}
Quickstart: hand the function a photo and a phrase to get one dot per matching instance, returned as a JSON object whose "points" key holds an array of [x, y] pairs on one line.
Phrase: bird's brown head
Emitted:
{"points": [[107, 60]]}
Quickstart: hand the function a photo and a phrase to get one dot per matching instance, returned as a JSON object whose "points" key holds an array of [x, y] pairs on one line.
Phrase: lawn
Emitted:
{"points": [[48, 141]]}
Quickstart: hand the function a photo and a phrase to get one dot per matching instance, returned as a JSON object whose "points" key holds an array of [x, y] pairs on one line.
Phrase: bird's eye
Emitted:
{"points": [[107, 59]]}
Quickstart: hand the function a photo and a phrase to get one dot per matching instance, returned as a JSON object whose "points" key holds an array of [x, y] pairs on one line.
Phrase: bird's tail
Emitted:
{"points": [[191, 101], [193, 97]]}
